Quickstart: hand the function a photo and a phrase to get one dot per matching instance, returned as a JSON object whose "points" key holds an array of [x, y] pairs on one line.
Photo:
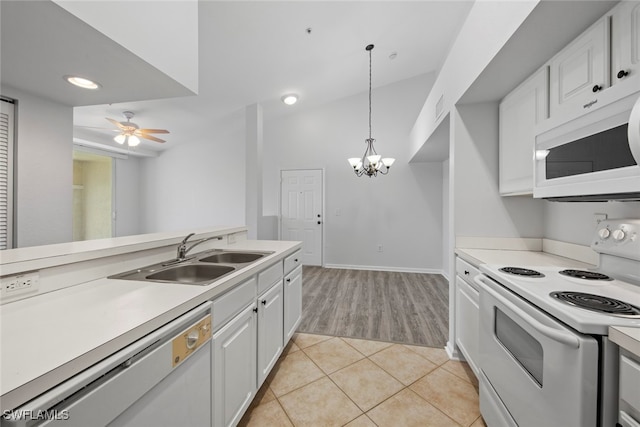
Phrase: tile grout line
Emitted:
{"points": [[363, 412], [405, 387]]}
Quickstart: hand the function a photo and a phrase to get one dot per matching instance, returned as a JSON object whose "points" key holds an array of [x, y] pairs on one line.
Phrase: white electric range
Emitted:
{"points": [[545, 358]]}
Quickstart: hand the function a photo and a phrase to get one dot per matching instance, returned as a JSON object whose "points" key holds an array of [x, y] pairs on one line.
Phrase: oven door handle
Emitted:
{"points": [[633, 131], [554, 334]]}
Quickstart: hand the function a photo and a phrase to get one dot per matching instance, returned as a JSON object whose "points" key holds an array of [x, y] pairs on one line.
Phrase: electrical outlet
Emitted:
{"points": [[21, 284], [379, 248]]}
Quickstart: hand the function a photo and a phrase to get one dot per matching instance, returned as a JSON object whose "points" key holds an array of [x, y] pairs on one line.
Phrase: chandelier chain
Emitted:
{"points": [[370, 93]]}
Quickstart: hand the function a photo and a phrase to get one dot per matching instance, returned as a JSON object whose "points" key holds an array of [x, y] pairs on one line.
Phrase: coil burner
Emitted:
{"points": [[583, 274], [519, 271], [598, 303]]}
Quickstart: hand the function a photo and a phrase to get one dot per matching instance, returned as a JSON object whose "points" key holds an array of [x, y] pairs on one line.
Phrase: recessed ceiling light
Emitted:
{"points": [[290, 99], [82, 82]]}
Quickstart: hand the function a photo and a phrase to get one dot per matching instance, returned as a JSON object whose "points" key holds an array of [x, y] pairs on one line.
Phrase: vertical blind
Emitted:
{"points": [[6, 173]]}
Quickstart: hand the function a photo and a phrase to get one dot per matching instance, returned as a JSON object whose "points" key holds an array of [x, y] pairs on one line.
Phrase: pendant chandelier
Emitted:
{"points": [[371, 162]]}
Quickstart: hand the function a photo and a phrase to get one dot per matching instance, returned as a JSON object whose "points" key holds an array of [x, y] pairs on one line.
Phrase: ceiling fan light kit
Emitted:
{"points": [[371, 162], [131, 132]]}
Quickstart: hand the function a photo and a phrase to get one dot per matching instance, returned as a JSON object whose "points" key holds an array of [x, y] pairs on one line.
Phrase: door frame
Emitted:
{"points": [[324, 216]]}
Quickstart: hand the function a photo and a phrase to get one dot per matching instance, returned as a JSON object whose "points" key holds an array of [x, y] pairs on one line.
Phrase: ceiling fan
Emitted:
{"points": [[131, 132]]}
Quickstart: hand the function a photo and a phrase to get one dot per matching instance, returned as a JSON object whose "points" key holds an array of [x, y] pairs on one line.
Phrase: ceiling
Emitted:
{"points": [[255, 52], [40, 43]]}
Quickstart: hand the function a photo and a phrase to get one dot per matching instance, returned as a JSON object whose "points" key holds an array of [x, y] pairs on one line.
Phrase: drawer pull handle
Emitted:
{"points": [[622, 73], [466, 272], [596, 88], [295, 260], [255, 309], [264, 302], [288, 280]]}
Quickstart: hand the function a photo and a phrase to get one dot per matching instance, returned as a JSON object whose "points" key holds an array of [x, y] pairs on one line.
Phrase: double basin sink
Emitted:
{"points": [[201, 269]]}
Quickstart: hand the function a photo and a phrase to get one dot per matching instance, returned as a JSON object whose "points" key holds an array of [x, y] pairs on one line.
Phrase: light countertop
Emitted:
{"points": [[78, 326], [626, 337]]}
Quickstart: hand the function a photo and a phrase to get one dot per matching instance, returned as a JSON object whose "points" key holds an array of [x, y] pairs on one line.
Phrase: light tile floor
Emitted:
{"points": [[330, 381]]}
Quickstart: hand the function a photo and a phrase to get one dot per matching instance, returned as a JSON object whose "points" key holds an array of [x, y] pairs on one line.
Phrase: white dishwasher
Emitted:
{"points": [[163, 379]]}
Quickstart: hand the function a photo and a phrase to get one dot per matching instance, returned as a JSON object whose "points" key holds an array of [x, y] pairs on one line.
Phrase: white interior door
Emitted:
{"points": [[301, 211]]}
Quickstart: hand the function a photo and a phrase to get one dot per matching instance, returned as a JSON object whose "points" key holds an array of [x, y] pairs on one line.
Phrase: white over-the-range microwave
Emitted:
{"points": [[595, 157]]}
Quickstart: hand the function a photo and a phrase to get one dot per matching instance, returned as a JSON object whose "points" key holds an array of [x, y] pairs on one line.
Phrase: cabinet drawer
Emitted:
{"points": [[630, 382], [292, 261], [269, 276], [467, 271], [294, 273], [231, 303]]}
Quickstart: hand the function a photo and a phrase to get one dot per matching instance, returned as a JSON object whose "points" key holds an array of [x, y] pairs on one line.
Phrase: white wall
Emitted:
{"points": [[446, 219], [487, 28], [44, 193], [401, 211], [196, 184], [479, 209], [127, 197], [575, 222]]}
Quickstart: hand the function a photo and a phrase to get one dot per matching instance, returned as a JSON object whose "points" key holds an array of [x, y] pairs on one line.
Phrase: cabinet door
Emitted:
{"points": [[625, 43], [234, 367], [292, 302], [579, 70], [520, 112], [270, 329], [467, 322]]}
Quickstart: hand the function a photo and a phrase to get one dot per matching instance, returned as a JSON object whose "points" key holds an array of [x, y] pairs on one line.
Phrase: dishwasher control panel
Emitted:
{"points": [[191, 339]]}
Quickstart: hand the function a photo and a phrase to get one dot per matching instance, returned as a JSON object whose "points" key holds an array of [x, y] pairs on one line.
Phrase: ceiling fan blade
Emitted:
{"points": [[151, 138], [117, 123], [153, 131]]}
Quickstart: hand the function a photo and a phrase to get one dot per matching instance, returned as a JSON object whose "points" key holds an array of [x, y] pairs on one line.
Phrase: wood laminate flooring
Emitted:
{"points": [[407, 308]]}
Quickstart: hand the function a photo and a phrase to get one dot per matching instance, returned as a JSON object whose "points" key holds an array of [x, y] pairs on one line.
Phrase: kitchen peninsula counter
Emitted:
{"points": [[53, 336]]}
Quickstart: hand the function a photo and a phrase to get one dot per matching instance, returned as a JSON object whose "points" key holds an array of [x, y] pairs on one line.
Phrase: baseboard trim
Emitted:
{"points": [[452, 351], [381, 268]]}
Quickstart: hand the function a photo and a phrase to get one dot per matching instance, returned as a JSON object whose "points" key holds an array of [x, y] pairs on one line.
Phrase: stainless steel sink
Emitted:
{"points": [[201, 269], [191, 273], [233, 257]]}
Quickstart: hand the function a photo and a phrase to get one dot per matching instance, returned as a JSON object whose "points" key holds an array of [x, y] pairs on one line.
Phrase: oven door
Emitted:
{"points": [[543, 372]]}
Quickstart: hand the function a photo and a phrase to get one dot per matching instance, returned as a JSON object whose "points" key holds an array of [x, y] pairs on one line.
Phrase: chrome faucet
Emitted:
{"points": [[183, 249]]}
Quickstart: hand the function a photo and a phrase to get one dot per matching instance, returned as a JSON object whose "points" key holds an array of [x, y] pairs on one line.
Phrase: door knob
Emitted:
{"points": [[319, 222], [318, 215]]}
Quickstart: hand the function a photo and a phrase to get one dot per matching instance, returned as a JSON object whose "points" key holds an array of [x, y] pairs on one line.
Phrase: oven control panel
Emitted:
{"points": [[619, 237]]}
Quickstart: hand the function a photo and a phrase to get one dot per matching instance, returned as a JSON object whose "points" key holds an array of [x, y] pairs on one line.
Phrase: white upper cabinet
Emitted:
{"points": [[625, 43], [580, 71], [520, 112]]}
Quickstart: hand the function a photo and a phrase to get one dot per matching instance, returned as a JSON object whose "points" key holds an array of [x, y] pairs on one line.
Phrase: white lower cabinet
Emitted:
{"points": [[234, 367], [292, 302], [249, 336], [629, 403], [270, 329], [467, 313]]}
